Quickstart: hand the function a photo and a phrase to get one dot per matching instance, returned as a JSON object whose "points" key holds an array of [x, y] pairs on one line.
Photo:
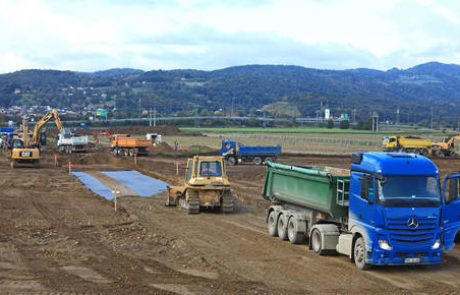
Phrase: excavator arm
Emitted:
{"points": [[53, 114]]}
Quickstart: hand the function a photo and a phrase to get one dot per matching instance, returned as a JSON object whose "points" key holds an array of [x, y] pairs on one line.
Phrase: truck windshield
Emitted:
{"points": [[210, 169], [409, 191]]}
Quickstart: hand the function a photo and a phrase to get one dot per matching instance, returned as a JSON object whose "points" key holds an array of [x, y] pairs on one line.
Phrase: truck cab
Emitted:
{"points": [[396, 210]]}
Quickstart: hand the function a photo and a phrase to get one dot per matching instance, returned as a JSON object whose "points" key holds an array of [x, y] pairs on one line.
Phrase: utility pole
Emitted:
{"points": [[150, 117], [155, 117], [397, 116], [431, 118]]}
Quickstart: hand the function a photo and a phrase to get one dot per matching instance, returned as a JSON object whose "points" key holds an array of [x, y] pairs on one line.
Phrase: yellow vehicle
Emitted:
{"points": [[407, 144], [446, 147], [206, 186], [26, 151]]}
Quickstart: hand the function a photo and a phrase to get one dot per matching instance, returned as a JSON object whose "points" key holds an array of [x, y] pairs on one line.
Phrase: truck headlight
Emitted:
{"points": [[383, 244], [436, 244]]}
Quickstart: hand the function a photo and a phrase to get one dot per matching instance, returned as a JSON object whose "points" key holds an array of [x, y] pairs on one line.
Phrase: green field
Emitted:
{"points": [[307, 130], [296, 140]]}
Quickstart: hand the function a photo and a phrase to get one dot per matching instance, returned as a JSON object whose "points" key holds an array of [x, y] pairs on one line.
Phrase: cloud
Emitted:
{"points": [[206, 34]]}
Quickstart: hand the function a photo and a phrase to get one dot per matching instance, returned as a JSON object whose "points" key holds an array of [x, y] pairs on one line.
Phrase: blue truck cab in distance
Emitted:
{"points": [[398, 209], [235, 153]]}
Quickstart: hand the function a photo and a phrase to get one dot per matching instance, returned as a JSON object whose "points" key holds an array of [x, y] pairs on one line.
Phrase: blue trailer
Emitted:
{"points": [[388, 209], [235, 153]]}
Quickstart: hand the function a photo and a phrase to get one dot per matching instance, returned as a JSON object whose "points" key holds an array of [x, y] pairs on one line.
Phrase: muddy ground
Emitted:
{"points": [[58, 237]]}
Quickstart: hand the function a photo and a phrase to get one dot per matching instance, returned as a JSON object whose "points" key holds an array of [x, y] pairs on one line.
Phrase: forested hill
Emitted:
{"points": [[282, 90]]}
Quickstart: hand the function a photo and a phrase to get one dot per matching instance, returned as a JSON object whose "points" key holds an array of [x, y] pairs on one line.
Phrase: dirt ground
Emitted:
{"points": [[58, 237]]}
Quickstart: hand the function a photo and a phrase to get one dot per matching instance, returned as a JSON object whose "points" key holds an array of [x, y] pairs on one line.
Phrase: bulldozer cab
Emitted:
{"points": [[200, 169]]}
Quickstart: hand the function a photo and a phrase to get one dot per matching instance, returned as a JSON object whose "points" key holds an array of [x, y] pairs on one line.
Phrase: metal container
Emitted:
{"points": [[319, 189]]}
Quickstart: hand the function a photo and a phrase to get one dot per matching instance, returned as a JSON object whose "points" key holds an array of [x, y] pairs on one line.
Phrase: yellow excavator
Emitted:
{"points": [[446, 147], [27, 151]]}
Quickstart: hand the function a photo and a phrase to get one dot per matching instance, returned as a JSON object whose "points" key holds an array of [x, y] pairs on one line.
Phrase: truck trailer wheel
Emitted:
{"points": [[271, 224], [294, 236], [257, 160], [359, 254], [231, 161], [315, 240], [282, 227]]}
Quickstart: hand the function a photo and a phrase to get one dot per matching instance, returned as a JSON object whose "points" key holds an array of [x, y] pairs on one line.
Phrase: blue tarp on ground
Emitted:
{"points": [[94, 185], [143, 185]]}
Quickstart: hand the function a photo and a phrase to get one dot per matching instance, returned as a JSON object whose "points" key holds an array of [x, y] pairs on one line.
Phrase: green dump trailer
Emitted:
{"points": [[302, 197]]}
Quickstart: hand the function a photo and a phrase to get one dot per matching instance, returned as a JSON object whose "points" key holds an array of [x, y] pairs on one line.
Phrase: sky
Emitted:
{"points": [[92, 35]]}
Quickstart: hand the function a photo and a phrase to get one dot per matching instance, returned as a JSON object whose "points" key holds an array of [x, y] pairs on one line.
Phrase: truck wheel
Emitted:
{"points": [[271, 224], [131, 152], [359, 254], [294, 236], [257, 160], [231, 161], [315, 240], [282, 228], [125, 152]]}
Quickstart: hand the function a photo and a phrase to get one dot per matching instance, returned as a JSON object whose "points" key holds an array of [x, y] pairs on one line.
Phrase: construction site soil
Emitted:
{"points": [[57, 237]]}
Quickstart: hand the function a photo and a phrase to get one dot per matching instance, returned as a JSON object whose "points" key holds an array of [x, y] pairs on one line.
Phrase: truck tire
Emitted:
{"points": [[359, 254], [315, 240], [231, 161], [294, 236], [257, 160], [282, 227], [268, 159], [131, 152], [272, 224]]}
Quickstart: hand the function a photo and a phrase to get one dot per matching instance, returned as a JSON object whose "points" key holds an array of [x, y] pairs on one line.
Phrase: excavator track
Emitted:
{"points": [[191, 202], [227, 202]]}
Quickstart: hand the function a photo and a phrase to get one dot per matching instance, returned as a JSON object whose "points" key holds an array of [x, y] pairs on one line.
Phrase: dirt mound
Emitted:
{"points": [[162, 148]]}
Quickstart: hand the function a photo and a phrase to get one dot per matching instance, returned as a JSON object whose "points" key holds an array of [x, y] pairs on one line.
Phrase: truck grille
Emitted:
{"points": [[402, 234], [423, 223]]}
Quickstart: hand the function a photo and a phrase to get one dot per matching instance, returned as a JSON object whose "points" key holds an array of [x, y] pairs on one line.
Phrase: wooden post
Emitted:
{"points": [[177, 167], [115, 192], [135, 160], [70, 168], [55, 160]]}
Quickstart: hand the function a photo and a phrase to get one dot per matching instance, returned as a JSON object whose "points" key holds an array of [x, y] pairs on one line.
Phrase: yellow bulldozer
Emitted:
{"points": [[446, 148], [27, 151], [206, 186]]}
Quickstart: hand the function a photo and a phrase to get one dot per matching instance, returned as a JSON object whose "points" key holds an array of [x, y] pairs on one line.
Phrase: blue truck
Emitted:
{"points": [[388, 209], [236, 153]]}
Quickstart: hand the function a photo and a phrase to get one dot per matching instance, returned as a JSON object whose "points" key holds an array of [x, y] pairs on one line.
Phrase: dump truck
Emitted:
{"points": [[69, 143], [236, 153], [206, 186], [125, 145], [386, 210], [407, 144]]}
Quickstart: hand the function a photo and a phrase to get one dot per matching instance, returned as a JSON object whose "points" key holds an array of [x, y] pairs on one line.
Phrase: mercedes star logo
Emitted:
{"points": [[412, 223]]}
